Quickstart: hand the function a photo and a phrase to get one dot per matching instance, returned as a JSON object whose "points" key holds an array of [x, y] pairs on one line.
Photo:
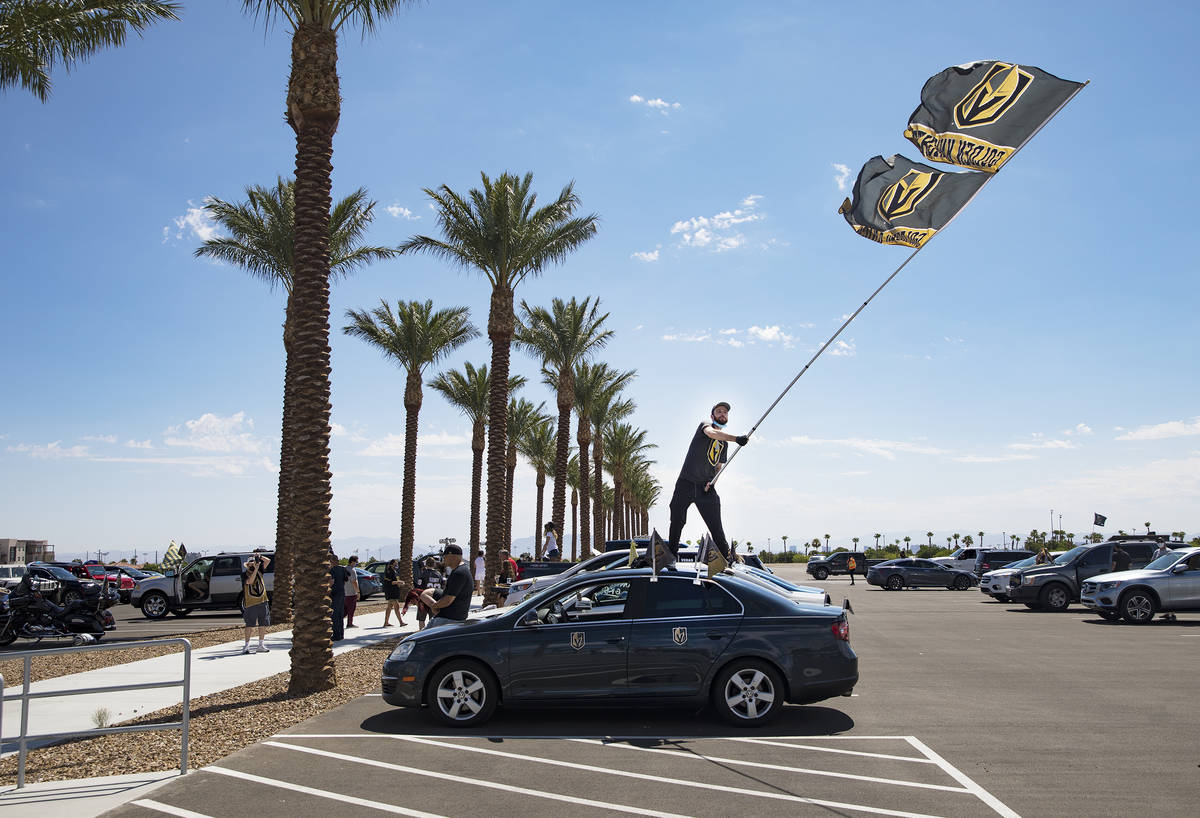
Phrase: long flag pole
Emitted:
{"points": [[895, 273]]}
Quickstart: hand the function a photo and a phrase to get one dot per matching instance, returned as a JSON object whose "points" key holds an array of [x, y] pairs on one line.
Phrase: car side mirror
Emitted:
{"points": [[1179, 568], [530, 618]]}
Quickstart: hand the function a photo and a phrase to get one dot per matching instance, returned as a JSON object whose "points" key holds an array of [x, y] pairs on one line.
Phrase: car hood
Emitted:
{"points": [[1000, 572], [1126, 576]]}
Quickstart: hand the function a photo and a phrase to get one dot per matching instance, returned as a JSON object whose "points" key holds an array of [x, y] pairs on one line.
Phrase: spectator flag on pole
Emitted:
{"points": [[632, 552], [978, 115], [898, 201], [1099, 519], [174, 556]]}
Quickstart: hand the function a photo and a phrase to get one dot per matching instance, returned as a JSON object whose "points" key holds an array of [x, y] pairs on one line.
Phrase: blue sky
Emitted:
{"points": [[1038, 355]]}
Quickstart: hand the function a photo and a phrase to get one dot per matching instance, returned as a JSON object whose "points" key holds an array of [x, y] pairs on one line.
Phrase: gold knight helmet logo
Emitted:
{"points": [[902, 197], [578, 639], [993, 96]]}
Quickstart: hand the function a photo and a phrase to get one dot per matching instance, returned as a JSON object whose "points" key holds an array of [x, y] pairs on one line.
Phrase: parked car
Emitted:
{"points": [[989, 559], [205, 583], [618, 639], [1168, 584], [1054, 586], [70, 586], [835, 564], [963, 559], [10, 575], [995, 583], [368, 584], [912, 572]]}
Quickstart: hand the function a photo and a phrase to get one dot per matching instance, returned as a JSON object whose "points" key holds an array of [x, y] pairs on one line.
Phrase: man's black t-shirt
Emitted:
{"points": [[337, 574], [703, 455], [458, 585]]}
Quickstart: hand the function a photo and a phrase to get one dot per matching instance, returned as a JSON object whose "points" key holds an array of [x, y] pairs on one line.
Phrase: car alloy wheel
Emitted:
{"points": [[1055, 598], [463, 694], [961, 583], [820, 574], [748, 693], [1137, 607], [1109, 616], [154, 605], [895, 582]]}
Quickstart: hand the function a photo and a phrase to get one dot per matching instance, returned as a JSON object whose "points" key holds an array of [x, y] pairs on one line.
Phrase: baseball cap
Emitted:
{"points": [[452, 549], [720, 403]]}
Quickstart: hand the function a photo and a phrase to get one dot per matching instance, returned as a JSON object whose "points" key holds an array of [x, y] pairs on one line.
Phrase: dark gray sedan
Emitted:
{"points": [[619, 639], [895, 575]]}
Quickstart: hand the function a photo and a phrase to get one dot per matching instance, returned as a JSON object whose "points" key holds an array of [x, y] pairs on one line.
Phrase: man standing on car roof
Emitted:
{"points": [[706, 456]]}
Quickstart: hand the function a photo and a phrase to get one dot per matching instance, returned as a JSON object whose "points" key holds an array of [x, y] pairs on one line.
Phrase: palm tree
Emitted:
{"points": [[855, 541], [877, 536], [468, 391], [592, 381], [521, 416], [37, 35], [1147, 527], [907, 548], [956, 541], [537, 446], [826, 542], [261, 232], [623, 446], [784, 538], [414, 337], [562, 337], [981, 539], [574, 484], [314, 104], [607, 408], [968, 541]]}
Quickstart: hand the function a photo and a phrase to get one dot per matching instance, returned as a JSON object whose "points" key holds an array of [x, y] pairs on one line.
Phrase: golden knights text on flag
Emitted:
{"points": [[174, 556], [978, 115], [898, 201]]}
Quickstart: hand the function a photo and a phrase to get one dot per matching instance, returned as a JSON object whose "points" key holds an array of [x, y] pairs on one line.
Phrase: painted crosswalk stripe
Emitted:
{"points": [[961, 777], [158, 806], [658, 779], [477, 782], [341, 798], [886, 756], [692, 755]]}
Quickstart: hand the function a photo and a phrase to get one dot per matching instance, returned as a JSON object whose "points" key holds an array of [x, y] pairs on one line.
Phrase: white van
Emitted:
{"points": [[962, 559]]}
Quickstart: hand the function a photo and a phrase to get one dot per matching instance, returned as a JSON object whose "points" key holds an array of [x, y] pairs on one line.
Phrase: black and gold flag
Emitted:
{"points": [[898, 201], [978, 115]]}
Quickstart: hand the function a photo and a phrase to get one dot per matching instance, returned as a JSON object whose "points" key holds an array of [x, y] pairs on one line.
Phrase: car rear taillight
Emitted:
{"points": [[841, 630], [986, 567]]}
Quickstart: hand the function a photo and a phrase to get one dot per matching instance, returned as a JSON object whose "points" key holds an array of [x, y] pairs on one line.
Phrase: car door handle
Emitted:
{"points": [[615, 641], [715, 635]]}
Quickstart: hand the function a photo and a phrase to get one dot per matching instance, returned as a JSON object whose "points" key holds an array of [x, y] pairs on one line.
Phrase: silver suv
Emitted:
{"points": [[1169, 584], [204, 584]]}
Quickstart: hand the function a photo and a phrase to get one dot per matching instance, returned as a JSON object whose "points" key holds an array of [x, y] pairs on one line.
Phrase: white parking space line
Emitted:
{"points": [[961, 777], [477, 782], [885, 756], [661, 780], [158, 806], [693, 755], [332, 796]]}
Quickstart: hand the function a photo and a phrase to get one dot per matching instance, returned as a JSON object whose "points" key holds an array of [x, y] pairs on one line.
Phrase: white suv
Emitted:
{"points": [[995, 583], [963, 559]]}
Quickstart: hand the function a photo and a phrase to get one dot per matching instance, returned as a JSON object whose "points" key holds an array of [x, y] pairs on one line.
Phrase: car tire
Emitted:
{"points": [[743, 688], [1033, 606], [1137, 607], [1055, 597], [8, 635], [462, 693], [181, 611], [821, 574], [1109, 616], [154, 605], [894, 583], [70, 596], [1001, 598], [960, 583]]}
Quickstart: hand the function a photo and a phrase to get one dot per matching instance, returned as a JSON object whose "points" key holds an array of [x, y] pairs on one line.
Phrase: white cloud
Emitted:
{"points": [[1002, 458], [843, 349], [1080, 430], [652, 255], [194, 222], [138, 444], [101, 438], [882, 448], [842, 176], [690, 337], [711, 231], [442, 439], [212, 433], [729, 332], [387, 446], [770, 335], [657, 104], [51, 451], [1163, 431], [398, 212]]}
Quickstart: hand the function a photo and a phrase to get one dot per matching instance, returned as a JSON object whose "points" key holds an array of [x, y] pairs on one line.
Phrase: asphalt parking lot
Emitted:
{"points": [[965, 707], [132, 625]]}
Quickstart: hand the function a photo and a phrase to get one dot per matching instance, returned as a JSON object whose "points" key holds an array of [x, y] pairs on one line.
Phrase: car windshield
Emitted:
{"points": [[1022, 563], [774, 580], [1068, 556], [1165, 561], [133, 572], [59, 573]]}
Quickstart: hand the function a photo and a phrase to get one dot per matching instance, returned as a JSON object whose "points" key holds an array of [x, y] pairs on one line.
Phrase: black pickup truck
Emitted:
{"points": [[823, 567]]}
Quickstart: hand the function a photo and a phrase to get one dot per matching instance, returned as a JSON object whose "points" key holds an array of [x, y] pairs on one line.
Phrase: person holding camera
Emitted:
{"points": [[256, 613], [453, 603]]}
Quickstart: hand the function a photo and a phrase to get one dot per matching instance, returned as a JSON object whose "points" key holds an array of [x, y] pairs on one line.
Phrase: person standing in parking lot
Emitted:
{"points": [[454, 602], [337, 595], [1120, 559], [1043, 557], [256, 613], [391, 593], [851, 567], [351, 589], [1163, 550]]}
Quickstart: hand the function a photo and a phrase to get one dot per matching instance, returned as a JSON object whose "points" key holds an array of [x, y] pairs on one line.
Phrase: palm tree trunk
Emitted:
{"points": [[584, 439], [501, 320], [537, 528], [408, 502], [574, 524], [511, 470], [281, 596], [562, 450], [313, 107], [618, 511], [477, 444], [598, 492]]}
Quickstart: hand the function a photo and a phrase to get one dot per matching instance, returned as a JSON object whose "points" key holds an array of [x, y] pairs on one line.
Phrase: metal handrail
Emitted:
{"points": [[25, 695]]}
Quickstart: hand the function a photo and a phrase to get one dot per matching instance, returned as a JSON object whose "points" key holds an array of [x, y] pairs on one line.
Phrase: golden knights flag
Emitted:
{"points": [[978, 115], [1099, 519], [898, 201], [174, 556], [633, 555]]}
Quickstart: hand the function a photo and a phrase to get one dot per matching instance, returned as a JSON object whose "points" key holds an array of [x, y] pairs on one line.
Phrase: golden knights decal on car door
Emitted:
{"points": [[679, 636], [578, 639]]}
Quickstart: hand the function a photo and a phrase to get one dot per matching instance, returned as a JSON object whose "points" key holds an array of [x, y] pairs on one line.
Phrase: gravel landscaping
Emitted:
{"points": [[220, 724]]}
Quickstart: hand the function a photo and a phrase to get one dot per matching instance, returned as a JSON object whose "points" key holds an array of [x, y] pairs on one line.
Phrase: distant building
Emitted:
{"points": [[20, 552]]}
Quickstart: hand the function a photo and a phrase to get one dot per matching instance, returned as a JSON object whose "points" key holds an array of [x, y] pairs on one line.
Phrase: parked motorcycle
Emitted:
{"points": [[26, 613]]}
